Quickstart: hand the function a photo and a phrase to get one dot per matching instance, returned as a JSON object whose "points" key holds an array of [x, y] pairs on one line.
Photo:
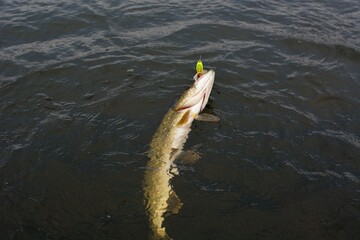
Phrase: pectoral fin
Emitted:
{"points": [[206, 117], [174, 203], [187, 157], [184, 119]]}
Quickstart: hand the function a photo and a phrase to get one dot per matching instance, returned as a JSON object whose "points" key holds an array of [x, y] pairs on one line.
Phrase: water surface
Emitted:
{"points": [[85, 84]]}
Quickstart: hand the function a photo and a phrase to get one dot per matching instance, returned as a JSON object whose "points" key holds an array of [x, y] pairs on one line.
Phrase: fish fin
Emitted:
{"points": [[174, 203], [206, 117], [187, 157], [184, 119]]}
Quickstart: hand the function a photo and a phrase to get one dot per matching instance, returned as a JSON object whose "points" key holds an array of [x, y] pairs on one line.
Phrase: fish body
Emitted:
{"points": [[167, 143]]}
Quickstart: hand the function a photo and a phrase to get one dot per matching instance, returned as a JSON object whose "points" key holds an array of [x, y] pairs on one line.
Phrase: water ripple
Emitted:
{"points": [[343, 136]]}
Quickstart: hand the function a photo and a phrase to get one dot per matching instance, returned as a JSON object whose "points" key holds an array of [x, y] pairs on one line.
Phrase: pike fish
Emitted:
{"points": [[166, 145]]}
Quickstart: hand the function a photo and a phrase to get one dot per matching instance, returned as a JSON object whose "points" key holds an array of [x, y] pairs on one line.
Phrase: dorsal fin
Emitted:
{"points": [[184, 119]]}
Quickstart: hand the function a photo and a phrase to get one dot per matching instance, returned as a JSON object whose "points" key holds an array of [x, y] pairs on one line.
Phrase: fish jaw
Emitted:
{"points": [[205, 84], [196, 98]]}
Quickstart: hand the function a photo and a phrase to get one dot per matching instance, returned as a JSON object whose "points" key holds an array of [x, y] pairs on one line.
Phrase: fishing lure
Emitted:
{"points": [[199, 67]]}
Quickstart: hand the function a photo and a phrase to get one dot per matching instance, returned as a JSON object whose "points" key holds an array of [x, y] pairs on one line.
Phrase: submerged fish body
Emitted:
{"points": [[166, 145]]}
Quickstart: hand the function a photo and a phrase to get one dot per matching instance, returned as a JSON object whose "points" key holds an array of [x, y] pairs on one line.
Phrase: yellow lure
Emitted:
{"points": [[199, 67]]}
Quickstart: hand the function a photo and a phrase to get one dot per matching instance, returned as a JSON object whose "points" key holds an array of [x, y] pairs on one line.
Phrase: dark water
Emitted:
{"points": [[84, 85]]}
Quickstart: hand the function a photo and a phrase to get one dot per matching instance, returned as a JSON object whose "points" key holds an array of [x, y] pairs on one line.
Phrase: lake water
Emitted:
{"points": [[85, 84]]}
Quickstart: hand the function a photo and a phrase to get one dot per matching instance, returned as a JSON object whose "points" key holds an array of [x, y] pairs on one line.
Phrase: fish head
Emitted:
{"points": [[195, 99]]}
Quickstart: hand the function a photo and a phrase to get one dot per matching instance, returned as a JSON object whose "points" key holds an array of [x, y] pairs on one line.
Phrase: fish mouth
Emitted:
{"points": [[206, 87], [203, 85], [204, 74]]}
